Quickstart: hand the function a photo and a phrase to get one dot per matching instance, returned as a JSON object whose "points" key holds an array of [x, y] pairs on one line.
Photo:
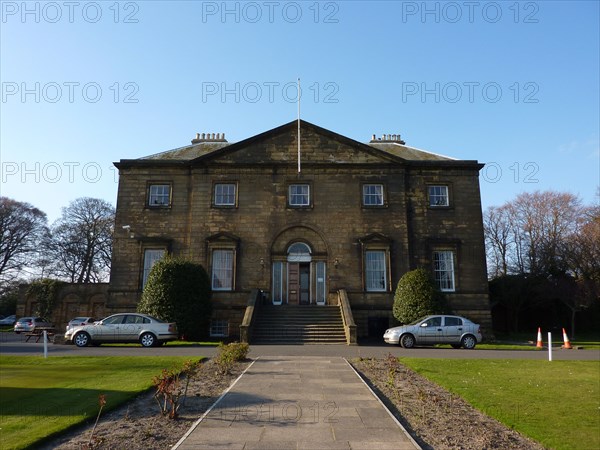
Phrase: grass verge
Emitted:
{"points": [[41, 397], [556, 403]]}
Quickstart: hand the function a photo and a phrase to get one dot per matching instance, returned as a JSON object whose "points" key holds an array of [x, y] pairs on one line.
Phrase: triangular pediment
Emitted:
{"points": [[318, 146]]}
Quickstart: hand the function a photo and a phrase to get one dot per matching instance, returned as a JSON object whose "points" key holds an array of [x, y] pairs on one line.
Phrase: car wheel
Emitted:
{"points": [[407, 341], [469, 342], [81, 339], [148, 340], [456, 345]]}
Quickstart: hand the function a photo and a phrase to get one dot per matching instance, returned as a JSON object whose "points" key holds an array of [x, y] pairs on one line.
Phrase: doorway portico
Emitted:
{"points": [[299, 272]]}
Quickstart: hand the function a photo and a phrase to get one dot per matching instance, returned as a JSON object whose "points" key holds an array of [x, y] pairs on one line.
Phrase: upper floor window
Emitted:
{"points": [[159, 195], [225, 194], [299, 195], [372, 195], [438, 196], [443, 268]]}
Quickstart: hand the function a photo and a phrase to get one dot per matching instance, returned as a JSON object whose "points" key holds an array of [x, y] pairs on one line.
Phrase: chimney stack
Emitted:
{"points": [[387, 138], [209, 137]]}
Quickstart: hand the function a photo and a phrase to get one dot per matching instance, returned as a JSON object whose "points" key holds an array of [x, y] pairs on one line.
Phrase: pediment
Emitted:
{"points": [[223, 237], [375, 238], [280, 146]]}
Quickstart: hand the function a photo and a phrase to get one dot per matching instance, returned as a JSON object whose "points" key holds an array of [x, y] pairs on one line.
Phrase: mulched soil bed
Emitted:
{"points": [[139, 424], [435, 418]]}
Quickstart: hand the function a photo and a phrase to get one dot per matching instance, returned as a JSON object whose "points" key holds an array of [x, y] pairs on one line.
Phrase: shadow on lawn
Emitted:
{"points": [[55, 401]]}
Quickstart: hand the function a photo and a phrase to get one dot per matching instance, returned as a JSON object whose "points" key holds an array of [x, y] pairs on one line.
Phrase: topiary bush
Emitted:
{"points": [[179, 291], [417, 296]]}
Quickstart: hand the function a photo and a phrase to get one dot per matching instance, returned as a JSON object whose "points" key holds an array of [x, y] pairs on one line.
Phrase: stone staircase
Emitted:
{"points": [[295, 324]]}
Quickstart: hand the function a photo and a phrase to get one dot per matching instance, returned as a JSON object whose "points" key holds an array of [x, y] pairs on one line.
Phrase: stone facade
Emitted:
{"points": [[356, 217]]}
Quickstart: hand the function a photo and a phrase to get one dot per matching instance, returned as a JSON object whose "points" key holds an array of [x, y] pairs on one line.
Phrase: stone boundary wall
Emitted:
{"points": [[74, 299]]}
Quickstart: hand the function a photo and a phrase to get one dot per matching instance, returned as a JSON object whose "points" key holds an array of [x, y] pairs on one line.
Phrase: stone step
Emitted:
{"points": [[294, 324]]}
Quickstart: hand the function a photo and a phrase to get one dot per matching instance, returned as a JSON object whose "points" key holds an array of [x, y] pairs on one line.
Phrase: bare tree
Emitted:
{"points": [[81, 242], [526, 235], [498, 237], [22, 227], [545, 247]]}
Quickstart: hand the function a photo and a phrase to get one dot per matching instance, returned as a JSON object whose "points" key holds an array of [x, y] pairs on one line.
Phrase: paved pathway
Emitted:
{"points": [[298, 403]]}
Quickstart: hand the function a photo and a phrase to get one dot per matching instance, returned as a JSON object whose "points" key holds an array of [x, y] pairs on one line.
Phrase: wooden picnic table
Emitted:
{"points": [[38, 333]]}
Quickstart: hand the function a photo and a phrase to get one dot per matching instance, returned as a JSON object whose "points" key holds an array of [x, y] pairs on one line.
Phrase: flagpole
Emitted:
{"points": [[299, 167]]}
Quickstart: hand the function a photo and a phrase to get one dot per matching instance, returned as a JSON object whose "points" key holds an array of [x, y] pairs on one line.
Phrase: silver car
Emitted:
{"points": [[436, 329], [79, 321], [29, 324], [124, 327]]}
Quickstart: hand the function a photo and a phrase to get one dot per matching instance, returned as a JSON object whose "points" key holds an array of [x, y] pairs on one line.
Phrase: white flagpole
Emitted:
{"points": [[299, 167]]}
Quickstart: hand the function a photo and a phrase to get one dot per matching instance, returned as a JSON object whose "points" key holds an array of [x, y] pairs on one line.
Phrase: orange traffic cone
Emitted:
{"points": [[567, 343], [539, 344]]}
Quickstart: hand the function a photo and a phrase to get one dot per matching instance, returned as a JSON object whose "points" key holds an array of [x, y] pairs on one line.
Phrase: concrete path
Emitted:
{"points": [[298, 403]]}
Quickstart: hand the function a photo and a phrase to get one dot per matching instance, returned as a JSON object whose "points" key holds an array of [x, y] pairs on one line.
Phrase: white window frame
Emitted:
{"points": [[222, 198], [219, 328], [320, 283], [443, 269], [294, 196], [159, 191], [438, 196], [369, 192], [278, 292], [374, 269], [222, 270], [151, 256]]}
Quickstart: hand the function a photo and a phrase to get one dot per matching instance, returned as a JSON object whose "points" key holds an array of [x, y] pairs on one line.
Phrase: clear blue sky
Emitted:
{"points": [[514, 85]]}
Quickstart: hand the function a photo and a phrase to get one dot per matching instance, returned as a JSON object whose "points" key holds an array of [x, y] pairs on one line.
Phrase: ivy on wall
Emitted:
{"points": [[45, 294]]}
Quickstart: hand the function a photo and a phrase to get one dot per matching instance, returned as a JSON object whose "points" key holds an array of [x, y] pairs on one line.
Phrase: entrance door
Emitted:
{"points": [[299, 283], [304, 283], [293, 283]]}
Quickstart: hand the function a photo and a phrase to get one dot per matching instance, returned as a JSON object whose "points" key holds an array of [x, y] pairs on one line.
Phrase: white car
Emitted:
{"points": [[436, 329], [124, 327], [79, 321], [29, 324]]}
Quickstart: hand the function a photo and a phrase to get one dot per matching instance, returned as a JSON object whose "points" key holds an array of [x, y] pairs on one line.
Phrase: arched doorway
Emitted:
{"points": [[299, 276], [298, 264]]}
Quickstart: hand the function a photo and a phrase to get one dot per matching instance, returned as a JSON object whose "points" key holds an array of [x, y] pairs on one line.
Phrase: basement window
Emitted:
{"points": [[219, 328]]}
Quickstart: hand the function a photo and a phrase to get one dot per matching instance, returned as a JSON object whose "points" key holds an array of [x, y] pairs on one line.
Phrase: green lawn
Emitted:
{"points": [[556, 403], [40, 397]]}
